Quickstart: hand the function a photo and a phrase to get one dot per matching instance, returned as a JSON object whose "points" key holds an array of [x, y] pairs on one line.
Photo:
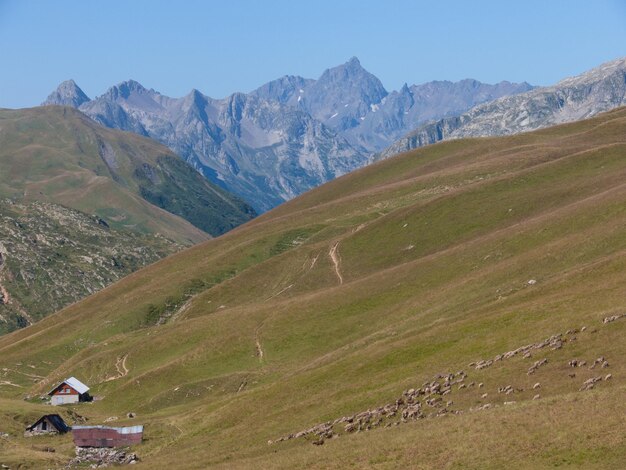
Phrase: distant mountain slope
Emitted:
{"points": [[263, 151], [352, 101], [288, 136], [58, 155], [451, 295], [597, 90], [402, 111], [52, 256]]}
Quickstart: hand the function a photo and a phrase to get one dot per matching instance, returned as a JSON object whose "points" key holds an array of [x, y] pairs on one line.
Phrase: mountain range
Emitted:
{"points": [[288, 136], [597, 90], [82, 205]]}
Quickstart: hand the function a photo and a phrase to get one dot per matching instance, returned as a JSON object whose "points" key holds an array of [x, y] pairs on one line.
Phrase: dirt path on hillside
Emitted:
{"points": [[32, 376], [120, 366], [334, 257], [313, 261], [280, 292], [6, 382], [259, 349]]}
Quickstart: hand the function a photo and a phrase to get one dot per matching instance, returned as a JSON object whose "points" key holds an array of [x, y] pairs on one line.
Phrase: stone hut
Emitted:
{"points": [[48, 424]]}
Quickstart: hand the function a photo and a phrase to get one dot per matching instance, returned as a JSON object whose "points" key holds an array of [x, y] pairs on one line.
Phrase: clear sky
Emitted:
{"points": [[220, 47]]}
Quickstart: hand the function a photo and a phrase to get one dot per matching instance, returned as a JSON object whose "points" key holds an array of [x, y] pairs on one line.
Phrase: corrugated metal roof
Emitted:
{"points": [[77, 385], [56, 421], [122, 430], [74, 383]]}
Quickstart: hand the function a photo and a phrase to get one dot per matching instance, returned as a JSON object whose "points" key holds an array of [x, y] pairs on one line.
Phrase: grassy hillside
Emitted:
{"points": [[434, 266], [56, 154]]}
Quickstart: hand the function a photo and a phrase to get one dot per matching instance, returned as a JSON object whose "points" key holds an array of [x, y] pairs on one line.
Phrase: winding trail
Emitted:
{"points": [[6, 382], [313, 261], [120, 366], [259, 349], [280, 292], [334, 257]]}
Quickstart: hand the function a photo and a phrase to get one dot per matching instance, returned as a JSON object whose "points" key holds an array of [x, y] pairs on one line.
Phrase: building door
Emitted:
{"points": [[44, 426]]}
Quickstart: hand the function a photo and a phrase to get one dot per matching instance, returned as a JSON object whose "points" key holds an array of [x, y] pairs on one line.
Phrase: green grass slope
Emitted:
{"points": [[344, 299], [56, 154]]}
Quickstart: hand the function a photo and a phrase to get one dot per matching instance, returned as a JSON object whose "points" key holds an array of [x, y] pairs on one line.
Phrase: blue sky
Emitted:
{"points": [[222, 47]]}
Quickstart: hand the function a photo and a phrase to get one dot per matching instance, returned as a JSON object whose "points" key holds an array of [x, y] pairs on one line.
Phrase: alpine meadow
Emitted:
{"points": [[312, 235], [458, 305]]}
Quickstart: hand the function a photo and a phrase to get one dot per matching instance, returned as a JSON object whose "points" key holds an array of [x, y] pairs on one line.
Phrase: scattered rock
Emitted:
{"points": [[536, 386], [103, 457], [537, 397]]}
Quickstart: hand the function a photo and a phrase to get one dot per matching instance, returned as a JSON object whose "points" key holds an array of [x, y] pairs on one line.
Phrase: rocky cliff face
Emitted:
{"points": [[262, 150], [291, 134], [354, 102], [598, 90]]}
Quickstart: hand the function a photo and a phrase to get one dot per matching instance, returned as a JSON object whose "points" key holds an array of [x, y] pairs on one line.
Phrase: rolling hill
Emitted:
{"points": [[57, 154], [82, 206], [466, 292]]}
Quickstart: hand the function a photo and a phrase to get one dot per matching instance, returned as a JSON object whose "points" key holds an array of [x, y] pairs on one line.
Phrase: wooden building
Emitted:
{"points": [[48, 424], [105, 436], [69, 391]]}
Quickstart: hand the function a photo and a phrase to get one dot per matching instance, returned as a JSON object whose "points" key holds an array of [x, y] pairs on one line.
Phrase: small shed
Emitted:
{"points": [[48, 424], [105, 436], [70, 390]]}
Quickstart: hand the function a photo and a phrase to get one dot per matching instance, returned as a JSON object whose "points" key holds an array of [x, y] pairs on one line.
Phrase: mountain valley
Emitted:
{"points": [[468, 291]]}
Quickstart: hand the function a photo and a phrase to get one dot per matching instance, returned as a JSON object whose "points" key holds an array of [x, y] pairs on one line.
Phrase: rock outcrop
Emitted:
{"points": [[598, 90]]}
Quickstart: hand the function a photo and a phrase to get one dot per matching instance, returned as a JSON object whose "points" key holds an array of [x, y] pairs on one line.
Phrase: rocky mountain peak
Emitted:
{"points": [[343, 95], [352, 75], [124, 90], [283, 89], [68, 93]]}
